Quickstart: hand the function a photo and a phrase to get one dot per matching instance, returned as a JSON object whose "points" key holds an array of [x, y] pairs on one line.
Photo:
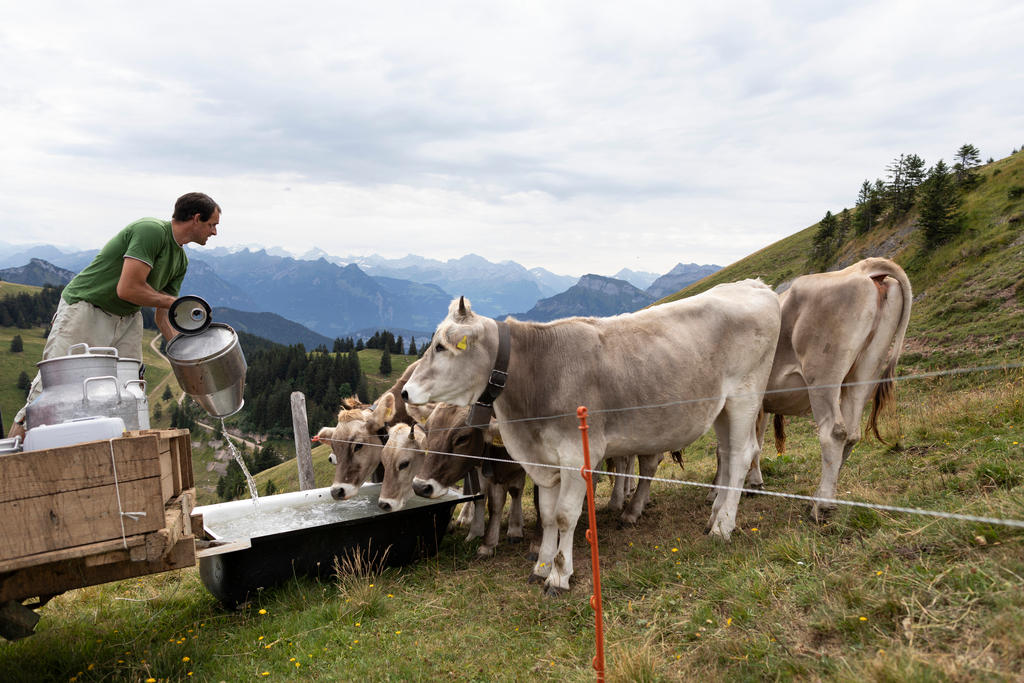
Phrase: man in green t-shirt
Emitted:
{"points": [[143, 265]]}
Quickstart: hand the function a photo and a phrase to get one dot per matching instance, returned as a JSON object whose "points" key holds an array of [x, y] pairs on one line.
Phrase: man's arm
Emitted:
{"points": [[163, 323], [132, 287]]}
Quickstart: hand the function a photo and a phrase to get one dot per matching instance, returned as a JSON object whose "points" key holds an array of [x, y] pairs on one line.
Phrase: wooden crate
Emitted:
{"points": [[60, 498], [175, 448], [47, 574]]}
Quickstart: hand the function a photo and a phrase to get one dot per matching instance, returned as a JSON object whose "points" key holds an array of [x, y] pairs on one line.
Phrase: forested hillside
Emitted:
{"points": [[958, 232]]}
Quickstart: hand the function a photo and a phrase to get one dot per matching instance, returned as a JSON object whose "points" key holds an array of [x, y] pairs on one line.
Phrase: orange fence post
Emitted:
{"points": [[595, 599]]}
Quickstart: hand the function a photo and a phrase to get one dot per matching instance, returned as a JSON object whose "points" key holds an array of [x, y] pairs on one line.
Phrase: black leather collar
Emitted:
{"points": [[481, 412]]}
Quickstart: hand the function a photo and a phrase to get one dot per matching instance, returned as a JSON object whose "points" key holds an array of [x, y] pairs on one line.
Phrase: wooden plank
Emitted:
{"points": [[178, 511], [178, 444], [303, 446], [59, 577], [58, 470], [183, 443], [74, 518], [76, 552]]}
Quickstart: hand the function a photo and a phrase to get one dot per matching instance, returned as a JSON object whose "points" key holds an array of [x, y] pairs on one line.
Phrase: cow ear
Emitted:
{"points": [[418, 434], [383, 411], [492, 435], [420, 413], [325, 433]]}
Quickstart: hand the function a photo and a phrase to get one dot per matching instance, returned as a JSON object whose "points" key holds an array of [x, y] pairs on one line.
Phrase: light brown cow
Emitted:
{"points": [[692, 364], [452, 451], [360, 435], [842, 334]]}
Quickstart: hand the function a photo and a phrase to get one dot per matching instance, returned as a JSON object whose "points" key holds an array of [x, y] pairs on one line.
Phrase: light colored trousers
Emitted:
{"points": [[83, 322]]}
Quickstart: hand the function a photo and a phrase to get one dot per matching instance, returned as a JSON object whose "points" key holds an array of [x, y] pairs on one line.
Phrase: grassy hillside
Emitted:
{"points": [[968, 294], [158, 371], [8, 288]]}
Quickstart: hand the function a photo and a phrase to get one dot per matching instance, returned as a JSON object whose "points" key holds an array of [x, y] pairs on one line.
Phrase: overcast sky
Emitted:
{"points": [[581, 137]]}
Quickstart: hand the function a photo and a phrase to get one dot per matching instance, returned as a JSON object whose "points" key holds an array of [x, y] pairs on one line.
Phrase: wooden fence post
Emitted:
{"points": [[303, 447]]}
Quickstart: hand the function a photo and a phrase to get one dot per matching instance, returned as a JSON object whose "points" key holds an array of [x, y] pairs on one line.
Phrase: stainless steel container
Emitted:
{"points": [[10, 445], [210, 368], [81, 384], [129, 375]]}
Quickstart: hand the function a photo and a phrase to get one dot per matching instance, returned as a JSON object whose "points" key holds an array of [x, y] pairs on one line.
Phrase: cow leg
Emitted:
{"points": [[621, 466], [832, 435], [515, 514], [538, 527], [465, 517], [572, 492], [648, 468], [496, 494], [548, 499], [735, 427], [754, 478], [720, 475]]}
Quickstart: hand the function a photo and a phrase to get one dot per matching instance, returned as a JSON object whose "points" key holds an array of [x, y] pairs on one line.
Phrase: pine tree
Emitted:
{"points": [[385, 362], [17, 346], [822, 248], [940, 202], [167, 395], [24, 382], [967, 159], [412, 346]]}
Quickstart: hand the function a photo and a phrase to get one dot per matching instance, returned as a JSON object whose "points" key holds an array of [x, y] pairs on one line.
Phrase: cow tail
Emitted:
{"points": [[885, 392], [779, 425], [678, 457]]}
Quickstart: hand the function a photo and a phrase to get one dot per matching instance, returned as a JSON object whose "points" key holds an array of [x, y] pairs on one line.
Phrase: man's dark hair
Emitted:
{"points": [[190, 204]]}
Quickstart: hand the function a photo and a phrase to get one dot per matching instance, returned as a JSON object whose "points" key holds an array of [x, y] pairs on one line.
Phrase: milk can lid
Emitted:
{"points": [[194, 347]]}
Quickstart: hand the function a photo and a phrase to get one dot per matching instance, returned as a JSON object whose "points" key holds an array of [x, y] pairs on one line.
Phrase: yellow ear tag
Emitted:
{"points": [[497, 442], [463, 344]]}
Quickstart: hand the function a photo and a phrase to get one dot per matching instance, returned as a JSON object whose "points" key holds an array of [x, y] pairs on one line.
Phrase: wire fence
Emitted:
{"points": [[1015, 523]]}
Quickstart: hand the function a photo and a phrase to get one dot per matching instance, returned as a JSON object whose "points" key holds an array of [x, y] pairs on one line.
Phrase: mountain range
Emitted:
{"points": [[332, 296]]}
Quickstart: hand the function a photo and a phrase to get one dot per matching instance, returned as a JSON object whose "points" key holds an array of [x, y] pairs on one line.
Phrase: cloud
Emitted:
{"points": [[544, 133]]}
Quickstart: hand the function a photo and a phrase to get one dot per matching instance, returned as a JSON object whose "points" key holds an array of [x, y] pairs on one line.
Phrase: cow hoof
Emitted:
{"points": [[753, 487], [554, 591], [821, 515], [625, 523], [485, 551], [532, 556], [515, 539], [536, 578]]}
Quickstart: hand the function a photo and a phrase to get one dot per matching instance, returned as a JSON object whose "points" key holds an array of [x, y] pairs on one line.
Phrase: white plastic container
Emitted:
{"points": [[73, 431]]}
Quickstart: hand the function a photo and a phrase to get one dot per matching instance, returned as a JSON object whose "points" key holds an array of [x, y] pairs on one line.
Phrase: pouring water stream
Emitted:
{"points": [[241, 463]]}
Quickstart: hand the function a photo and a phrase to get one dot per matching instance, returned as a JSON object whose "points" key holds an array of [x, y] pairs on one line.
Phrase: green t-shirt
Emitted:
{"points": [[149, 240]]}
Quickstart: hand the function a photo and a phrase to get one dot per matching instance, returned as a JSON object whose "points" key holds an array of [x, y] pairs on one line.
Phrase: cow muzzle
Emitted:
{"points": [[343, 491], [390, 504]]}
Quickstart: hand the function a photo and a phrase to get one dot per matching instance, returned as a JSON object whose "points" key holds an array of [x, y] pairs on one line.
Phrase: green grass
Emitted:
{"points": [[10, 288], [871, 595], [369, 361], [12, 364]]}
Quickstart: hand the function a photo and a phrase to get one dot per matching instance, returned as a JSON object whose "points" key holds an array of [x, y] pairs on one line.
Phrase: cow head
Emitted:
{"points": [[457, 365], [401, 458], [356, 445], [446, 433]]}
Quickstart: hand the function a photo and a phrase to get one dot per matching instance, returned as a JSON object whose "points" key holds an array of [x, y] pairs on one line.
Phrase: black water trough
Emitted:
{"points": [[301, 533]]}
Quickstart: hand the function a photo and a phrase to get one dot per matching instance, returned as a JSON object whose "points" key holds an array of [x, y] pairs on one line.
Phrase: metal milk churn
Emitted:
{"points": [[206, 358], [129, 376], [81, 384]]}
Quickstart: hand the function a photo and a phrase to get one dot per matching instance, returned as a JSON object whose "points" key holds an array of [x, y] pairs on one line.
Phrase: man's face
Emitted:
{"points": [[205, 229]]}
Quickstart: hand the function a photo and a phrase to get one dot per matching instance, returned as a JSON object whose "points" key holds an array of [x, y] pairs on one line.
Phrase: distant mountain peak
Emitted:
{"points": [[37, 273]]}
